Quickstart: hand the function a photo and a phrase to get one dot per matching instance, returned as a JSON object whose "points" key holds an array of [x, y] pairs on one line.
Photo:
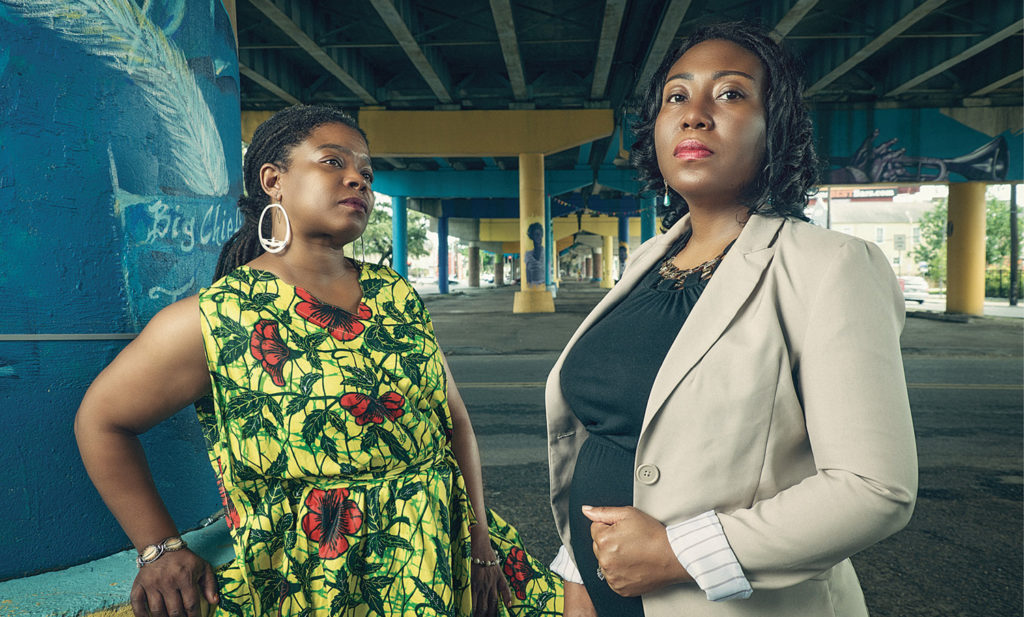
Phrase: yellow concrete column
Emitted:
{"points": [[608, 263], [965, 249], [532, 297]]}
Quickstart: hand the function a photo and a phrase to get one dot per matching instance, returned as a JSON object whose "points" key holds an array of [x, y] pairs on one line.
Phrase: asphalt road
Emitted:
{"points": [[961, 554]]}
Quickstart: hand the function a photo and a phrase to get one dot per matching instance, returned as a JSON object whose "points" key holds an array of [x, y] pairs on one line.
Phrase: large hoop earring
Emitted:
{"points": [[273, 245]]}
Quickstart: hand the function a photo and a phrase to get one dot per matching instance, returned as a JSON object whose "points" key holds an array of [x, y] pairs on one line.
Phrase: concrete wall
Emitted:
{"points": [[120, 164]]}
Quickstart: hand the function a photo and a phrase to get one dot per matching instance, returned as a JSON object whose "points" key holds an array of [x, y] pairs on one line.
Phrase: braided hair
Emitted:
{"points": [[272, 142], [790, 168]]}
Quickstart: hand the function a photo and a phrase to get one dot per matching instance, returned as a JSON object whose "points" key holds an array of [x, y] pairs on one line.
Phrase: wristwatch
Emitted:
{"points": [[154, 551]]}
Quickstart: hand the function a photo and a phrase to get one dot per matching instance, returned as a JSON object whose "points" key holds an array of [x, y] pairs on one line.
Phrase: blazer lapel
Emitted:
{"points": [[725, 294]]}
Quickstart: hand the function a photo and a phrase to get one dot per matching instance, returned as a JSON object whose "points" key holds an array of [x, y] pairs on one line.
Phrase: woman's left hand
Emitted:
{"points": [[489, 584], [633, 551]]}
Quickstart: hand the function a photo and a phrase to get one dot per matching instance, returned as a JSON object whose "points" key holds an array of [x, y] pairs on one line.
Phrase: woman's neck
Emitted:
{"points": [[716, 225]]}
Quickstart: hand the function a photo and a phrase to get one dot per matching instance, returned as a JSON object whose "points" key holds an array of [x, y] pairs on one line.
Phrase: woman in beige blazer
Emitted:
{"points": [[742, 447]]}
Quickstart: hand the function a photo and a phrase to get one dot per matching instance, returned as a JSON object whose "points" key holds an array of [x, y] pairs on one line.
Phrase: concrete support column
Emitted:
{"points": [[533, 296], [499, 270], [473, 269], [1014, 245], [442, 254], [608, 263], [400, 236], [648, 219], [550, 269], [965, 249], [623, 252]]}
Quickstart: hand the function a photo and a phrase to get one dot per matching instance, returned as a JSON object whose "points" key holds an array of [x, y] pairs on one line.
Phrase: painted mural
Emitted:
{"points": [[920, 146], [120, 165]]}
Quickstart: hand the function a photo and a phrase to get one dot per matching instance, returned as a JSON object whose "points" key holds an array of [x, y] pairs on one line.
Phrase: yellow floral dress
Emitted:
{"points": [[330, 433]]}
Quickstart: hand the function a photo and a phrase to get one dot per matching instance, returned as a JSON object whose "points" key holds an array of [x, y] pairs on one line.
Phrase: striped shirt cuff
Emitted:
{"points": [[564, 566], [701, 546]]}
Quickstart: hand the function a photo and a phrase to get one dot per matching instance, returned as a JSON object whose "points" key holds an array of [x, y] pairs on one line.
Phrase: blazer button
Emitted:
{"points": [[647, 474]]}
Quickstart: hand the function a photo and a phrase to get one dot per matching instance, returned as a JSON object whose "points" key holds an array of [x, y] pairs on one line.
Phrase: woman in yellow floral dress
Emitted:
{"points": [[346, 459]]}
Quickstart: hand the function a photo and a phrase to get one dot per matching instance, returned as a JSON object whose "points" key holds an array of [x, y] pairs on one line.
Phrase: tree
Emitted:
{"points": [[997, 231], [377, 237], [931, 250]]}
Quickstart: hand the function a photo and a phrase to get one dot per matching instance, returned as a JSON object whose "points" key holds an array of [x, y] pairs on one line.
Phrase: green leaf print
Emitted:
{"points": [[234, 328], [378, 338], [263, 275], [251, 426], [279, 466], [409, 490], [396, 448], [370, 588], [411, 364], [392, 310], [313, 426], [362, 379], [372, 514], [290, 537], [444, 568], [356, 561], [233, 349], [269, 584], [390, 541], [371, 288], [224, 382], [239, 275], [329, 447], [296, 404], [307, 381], [412, 308], [434, 601]]}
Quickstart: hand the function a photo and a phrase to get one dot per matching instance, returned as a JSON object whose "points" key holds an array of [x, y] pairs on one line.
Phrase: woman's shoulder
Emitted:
{"points": [[817, 241]]}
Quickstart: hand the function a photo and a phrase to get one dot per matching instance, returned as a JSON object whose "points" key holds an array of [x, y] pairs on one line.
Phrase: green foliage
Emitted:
{"points": [[932, 248], [377, 237]]}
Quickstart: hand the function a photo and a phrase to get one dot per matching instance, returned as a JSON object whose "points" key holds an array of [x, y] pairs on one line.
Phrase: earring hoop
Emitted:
{"points": [[273, 245]]}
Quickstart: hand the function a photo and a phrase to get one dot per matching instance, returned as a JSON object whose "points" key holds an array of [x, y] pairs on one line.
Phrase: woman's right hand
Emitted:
{"points": [[174, 585], [577, 601]]}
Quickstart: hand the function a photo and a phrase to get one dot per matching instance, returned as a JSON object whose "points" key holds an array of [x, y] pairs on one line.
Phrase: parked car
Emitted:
{"points": [[915, 288]]}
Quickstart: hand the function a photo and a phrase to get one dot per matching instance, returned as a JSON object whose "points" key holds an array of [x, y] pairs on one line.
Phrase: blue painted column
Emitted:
{"points": [[400, 235], [648, 218], [549, 243], [623, 251], [442, 254]]}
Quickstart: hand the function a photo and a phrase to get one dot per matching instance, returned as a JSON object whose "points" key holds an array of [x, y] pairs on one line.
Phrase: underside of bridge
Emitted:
{"points": [[454, 93]]}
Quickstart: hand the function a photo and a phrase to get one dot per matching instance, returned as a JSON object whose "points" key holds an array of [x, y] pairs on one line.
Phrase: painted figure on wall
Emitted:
{"points": [[887, 162], [533, 258]]}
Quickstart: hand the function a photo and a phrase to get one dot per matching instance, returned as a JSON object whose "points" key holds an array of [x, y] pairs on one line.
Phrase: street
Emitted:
{"points": [[961, 553]]}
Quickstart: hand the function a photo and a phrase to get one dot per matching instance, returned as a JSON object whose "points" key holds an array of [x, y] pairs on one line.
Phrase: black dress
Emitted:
{"points": [[606, 379]]}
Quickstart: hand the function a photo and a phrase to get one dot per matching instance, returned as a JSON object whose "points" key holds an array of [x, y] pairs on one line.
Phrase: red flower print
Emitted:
{"points": [[518, 571], [266, 345], [368, 409], [342, 325], [229, 506], [331, 516]]}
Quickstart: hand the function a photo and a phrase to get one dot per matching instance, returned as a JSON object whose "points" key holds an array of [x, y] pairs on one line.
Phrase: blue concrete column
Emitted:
{"points": [[400, 235], [623, 250], [549, 243], [648, 218], [442, 254]]}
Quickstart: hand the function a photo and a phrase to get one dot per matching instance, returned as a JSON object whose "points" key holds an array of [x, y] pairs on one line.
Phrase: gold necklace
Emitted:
{"points": [[672, 272]]}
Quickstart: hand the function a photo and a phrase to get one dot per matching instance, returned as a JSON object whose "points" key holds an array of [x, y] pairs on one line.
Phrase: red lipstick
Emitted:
{"points": [[691, 149]]}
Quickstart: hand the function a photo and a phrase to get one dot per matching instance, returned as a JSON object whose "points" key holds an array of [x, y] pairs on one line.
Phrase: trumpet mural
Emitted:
{"points": [[887, 162]]}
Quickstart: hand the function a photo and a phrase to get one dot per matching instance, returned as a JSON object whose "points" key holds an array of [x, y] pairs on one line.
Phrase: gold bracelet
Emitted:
{"points": [[484, 562]]}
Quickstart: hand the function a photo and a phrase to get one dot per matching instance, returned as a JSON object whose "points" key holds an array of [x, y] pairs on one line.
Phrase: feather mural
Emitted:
{"points": [[121, 34]]}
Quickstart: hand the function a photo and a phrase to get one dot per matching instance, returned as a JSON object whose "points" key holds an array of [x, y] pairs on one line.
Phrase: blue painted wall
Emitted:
{"points": [[120, 165]]}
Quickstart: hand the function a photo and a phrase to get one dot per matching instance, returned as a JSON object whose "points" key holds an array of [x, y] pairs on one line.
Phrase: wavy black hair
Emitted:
{"points": [[790, 167], [272, 142]]}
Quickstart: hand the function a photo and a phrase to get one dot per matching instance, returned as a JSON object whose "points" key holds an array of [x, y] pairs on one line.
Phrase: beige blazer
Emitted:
{"points": [[781, 405]]}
